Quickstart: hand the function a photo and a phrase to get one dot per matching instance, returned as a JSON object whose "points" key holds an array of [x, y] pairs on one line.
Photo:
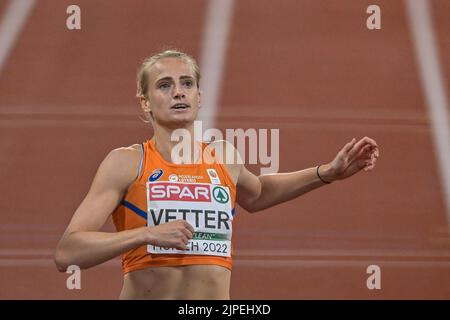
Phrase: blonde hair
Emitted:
{"points": [[142, 75]]}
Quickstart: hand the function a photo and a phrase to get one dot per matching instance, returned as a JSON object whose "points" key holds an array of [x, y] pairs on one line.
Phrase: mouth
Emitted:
{"points": [[180, 106]]}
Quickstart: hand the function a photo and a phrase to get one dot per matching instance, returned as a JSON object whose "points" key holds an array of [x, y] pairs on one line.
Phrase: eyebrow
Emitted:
{"points": [[170, 78]]}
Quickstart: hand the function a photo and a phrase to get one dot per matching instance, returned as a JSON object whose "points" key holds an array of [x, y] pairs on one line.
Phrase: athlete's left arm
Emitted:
{"points": [[255, 193]]}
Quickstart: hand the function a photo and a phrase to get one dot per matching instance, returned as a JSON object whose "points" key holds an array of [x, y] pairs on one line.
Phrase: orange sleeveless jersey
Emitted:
{"points": [[132, 211]]}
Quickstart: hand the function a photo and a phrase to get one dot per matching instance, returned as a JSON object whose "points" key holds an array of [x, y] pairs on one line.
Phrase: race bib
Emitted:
{"points": [[206, 207]]}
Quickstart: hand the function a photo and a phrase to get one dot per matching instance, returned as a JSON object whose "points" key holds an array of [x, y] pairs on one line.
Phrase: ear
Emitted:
{"points": [[199, 98], [145, 104]]}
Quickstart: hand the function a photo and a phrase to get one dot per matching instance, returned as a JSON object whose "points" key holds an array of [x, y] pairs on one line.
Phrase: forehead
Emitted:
{"points": [[170, 67]]}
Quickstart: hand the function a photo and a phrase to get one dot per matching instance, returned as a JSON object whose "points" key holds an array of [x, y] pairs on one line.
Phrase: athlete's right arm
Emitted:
{"points": [[83, 245]]}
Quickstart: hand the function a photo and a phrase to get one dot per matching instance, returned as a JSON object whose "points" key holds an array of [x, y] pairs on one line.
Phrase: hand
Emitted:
{"points": [[174, 234], [353, 157]]}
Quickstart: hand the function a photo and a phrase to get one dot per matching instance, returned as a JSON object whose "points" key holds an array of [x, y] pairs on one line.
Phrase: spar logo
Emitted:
{"points": [[167, 191], [220, 195]]}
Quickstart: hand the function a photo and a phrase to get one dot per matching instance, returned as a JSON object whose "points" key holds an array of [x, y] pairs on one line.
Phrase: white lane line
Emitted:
{"points": [[27, 263], [26, 252], [427, 54], [11, 24], [47, 263], [260, 263], [339, 263], [343, 253], [213, 55], [296, 253]]}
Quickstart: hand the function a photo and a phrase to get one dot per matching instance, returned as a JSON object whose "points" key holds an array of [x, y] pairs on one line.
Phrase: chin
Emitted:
{"points": [[178, 122]]}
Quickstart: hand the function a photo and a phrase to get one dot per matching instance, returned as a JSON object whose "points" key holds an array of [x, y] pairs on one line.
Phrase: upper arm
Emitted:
{"points": [[114, 175], [248, 189]]}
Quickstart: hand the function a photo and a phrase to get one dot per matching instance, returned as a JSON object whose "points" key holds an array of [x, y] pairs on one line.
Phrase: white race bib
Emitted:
{"points": [[205, 206]]}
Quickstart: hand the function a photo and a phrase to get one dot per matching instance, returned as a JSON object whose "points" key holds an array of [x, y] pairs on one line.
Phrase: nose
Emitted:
{"points": [[179, 93]]}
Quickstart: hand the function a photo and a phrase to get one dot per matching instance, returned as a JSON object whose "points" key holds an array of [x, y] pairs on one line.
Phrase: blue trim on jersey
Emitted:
{"points": [[233, 211], [132, 207], [142, 158]]}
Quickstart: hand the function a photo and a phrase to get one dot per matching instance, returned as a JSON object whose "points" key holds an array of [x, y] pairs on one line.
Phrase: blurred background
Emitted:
{"points": [[310, 68]]}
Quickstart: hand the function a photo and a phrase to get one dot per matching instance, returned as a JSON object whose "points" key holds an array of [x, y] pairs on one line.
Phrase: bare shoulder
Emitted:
{"points": [[226, 152], [121, 165], [135, 146], [229, 156], [125, 154]]}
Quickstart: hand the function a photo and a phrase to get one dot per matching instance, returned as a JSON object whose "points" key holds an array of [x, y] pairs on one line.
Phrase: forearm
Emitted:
{"points": [[282, 187], [89, 248]]}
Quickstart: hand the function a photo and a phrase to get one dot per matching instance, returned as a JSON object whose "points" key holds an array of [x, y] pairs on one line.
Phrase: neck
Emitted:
{"points": [[164, 144]]}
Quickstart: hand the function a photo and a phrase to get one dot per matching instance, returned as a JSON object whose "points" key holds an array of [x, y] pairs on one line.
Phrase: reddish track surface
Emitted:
{"points": [[309, 68]]}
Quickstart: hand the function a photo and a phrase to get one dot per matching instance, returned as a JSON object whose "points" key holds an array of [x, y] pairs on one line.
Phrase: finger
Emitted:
{"points": [[356, 151], [186, 243], [358, 147], [364, 141], [370, 153], [366, 150], [349, 145], [187, 233], [369, 140], [189, 227], [177, 244], [182, 246], [374, 154], [370, 165], [355, 166], [374, 150], [182, 243]]}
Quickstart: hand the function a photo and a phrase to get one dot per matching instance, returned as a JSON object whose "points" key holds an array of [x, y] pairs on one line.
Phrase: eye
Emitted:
{"points": [[163, 85], [189, 83]]}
